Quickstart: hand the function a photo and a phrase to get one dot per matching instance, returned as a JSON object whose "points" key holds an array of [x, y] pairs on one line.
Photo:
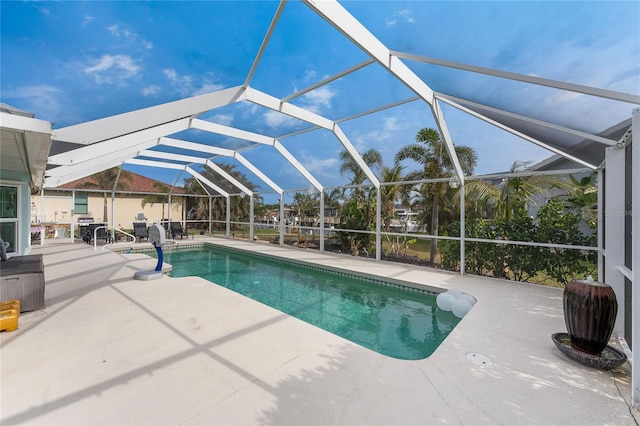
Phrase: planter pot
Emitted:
{"points": [[590, 309]]}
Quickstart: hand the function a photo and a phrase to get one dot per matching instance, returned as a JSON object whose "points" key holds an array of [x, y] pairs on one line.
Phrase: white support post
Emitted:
{"points": [[462, 230], [228, 229], [635, 263], [614, 228], [600, 225], [43, 228], [113, 215], [72, 230], [282, 221], [378, 223], [322, 221], [251, 224], [210, 215]]}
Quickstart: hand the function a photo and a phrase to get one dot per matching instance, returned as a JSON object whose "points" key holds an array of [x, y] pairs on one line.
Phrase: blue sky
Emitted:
{"points": [[70, 62]]}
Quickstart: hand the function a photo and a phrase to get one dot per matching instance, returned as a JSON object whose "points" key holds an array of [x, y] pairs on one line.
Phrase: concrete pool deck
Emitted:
{"points": [[111, 350]]}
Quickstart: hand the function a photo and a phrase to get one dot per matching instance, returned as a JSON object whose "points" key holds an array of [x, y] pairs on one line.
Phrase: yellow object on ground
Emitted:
{"points": [[9, 314]]}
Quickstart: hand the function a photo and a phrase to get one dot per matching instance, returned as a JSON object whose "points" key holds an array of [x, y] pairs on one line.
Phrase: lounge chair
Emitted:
{"points": [[176, 229], [140, 231]]}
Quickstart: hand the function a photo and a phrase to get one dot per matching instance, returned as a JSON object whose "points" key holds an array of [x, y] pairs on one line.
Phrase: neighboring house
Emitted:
{"points": [[24, 151], [80, 201], [589, 150]]}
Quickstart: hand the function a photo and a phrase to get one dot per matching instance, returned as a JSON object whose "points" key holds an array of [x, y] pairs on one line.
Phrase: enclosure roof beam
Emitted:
{"points": [[171, 156], [125, 142], [147, 118], [336, 15], [521, 135], [261, 139], [355, 155], [72, 174], [310, 117], [556, 84], [223, 152], [328, 80], [196, 160], [228, 177], [220, 129], [595, 138], [198, 147], [206, 181], [265, 42], [242, 160], [157, 164]]}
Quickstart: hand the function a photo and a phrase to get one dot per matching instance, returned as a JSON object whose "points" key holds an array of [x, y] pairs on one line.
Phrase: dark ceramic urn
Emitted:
{"points": [[590, 309]]}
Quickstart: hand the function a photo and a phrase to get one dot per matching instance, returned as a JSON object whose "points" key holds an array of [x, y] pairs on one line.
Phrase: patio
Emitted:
{"points": [[111, 350]]}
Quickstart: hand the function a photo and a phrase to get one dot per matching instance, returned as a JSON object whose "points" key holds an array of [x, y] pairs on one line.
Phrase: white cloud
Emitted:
{"points": [[188, 85], [403, 15], [309, 75], [87, 20], [112, 69], [318, 99], [319, 166], [43, 99], [386, 131], [275, 119], [151, 90], [224, 119], [121, 32]]}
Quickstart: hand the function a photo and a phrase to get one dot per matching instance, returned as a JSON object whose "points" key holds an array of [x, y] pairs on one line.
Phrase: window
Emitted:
{"points": [[9, 216], [81, 204]]}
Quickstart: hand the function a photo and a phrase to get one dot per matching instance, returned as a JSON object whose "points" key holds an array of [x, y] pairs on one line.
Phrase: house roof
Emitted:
{"points": [[586, 148], [136, 184]]}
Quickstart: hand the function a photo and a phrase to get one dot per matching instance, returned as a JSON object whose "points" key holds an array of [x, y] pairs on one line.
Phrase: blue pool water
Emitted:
{"points": [[392, 321]]}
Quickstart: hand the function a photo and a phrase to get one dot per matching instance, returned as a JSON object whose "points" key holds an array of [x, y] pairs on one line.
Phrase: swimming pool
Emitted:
{"points": [[389, 319]]}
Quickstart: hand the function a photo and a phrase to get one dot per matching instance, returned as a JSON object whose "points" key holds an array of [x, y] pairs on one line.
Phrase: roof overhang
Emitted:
{"points": [[24, 147]]}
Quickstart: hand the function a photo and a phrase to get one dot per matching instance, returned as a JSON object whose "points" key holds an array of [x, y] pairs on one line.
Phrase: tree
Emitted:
{"points": [[393, 193], [518, 192], [583, 196], [358, 210], [371, 157], [157, 198], [108, 180], [304, 203], [431, 152], [239, 206]]}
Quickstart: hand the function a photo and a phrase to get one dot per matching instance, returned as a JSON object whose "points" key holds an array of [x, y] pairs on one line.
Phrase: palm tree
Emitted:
{"points": [[431, 152], [392, 193], [163, 197], [332, 199], [583, 196], [371, 157], [239, 205], [108, 180], [358, 210], [518, 192]]}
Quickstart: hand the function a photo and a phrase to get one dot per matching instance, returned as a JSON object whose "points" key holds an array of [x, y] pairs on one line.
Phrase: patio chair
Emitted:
{"points": [[140, 231], [176, 229], [101, 233]]}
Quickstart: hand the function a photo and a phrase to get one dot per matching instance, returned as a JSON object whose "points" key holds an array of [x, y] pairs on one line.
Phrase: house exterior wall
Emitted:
{"points": [[58, 207]]}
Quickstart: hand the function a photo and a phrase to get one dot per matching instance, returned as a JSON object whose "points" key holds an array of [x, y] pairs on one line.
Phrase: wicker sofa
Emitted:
{"points": [[22, 278]]}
